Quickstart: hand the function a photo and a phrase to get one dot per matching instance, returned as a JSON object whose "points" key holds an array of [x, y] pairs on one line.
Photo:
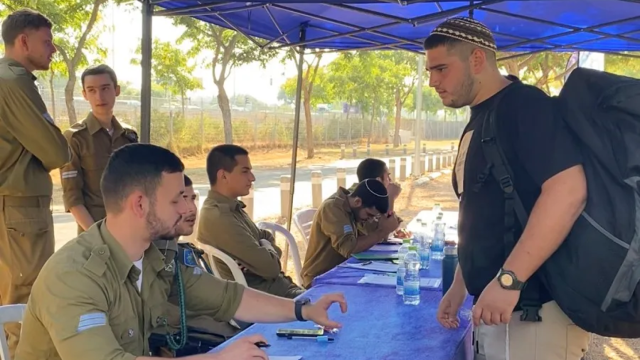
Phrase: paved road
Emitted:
{"points": [[267, 192]]}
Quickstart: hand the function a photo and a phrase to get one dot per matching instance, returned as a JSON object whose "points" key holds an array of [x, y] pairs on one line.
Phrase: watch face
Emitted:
{"points": [[506, 280]]}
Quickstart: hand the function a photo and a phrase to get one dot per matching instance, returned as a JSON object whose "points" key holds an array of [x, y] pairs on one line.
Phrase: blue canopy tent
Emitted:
{"points": [[523, 27]]}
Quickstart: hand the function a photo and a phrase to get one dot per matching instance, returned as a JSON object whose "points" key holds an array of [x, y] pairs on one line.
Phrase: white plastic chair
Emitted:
{"points": [[303, 220], [212, 253], [9, 314], [295, 253]]}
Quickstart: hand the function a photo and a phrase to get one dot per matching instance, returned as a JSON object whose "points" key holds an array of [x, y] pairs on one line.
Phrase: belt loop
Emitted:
{"points": [[2, 203]]}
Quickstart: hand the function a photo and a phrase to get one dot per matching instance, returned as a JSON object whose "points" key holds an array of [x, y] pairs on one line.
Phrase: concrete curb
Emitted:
{"points": [[432, 176]]}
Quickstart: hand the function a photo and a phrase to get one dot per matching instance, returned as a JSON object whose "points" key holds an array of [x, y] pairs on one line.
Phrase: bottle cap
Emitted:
{"points": [[413, 248], [450, 251], [406, 241]]}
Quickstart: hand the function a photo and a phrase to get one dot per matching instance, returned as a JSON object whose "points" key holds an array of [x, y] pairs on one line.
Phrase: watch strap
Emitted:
{"points": [[298, 308]]}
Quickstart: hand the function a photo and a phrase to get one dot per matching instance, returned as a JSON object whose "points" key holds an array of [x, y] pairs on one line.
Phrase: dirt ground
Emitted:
{"points": [[415, 198]]}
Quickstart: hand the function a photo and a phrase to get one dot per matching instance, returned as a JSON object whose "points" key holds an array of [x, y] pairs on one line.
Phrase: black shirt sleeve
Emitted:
{"points": [[541, 140]]}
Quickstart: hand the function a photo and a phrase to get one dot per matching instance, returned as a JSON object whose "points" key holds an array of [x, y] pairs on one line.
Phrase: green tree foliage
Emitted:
{"points": [[623, 65], [312, 75], [226, 49], [76, 33], [171, 70]]}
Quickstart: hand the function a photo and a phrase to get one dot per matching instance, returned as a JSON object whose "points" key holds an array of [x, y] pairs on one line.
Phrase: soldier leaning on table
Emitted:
{"points": [[31, 146], [100, 296], [376, 169], [509, 318], [92, 141], [226, 226], [334, 235]]}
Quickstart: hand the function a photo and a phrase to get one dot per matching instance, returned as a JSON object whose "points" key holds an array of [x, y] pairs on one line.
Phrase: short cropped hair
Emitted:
{"points": [[187, 181], [373, 195], [223, 157], [370, 169], [101, 69], [20, 21], [461, 48], [136, 167]]}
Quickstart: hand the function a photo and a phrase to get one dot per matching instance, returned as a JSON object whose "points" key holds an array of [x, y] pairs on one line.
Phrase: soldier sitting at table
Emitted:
{"points": [[334, 234], [203, 332], [226, 226], [376, 169]]}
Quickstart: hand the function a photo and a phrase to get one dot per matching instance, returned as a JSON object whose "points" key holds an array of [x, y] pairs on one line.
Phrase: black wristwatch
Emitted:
{"points": [[508, 280], [298, 308]]}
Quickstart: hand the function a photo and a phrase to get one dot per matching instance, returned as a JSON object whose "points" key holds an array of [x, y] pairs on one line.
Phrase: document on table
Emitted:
{"points": [[285, 357], [389, 248], [373, 266], [425, 283]]}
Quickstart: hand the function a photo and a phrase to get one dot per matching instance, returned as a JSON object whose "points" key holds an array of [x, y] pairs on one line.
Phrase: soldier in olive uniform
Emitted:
{"points": [[92, 141], [30, 147], [376, 169], [208, 332], [226, 226], [100, 296], [334, 235]]}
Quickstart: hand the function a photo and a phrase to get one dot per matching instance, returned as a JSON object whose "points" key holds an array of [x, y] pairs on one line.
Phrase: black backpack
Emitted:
{"points": [[594, 274]]}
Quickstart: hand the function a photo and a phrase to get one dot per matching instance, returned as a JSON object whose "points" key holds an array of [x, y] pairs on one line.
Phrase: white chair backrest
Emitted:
{"points": [[295, 253], [303, 220], [9, 314], [212, 253], [194, 236]]}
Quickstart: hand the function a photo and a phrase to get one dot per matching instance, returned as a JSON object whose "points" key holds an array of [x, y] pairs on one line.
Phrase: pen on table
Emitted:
{"points": [[317, 338], [262, 344]]}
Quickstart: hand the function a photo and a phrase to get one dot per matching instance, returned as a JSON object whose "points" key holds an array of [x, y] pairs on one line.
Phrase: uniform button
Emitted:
{"points": [[158, 320], [101, 252]]}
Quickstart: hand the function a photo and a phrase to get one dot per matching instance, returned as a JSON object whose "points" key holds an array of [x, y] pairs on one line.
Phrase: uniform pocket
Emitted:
{"points": [[577, 342], [27, 220]]}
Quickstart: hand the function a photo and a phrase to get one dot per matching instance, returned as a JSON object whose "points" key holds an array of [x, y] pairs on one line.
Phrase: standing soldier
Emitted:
{"points": [[30, 147], [92, 141]]}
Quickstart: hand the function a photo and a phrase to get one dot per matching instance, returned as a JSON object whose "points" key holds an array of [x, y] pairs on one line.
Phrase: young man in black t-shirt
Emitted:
{"points": [[548, 176]]}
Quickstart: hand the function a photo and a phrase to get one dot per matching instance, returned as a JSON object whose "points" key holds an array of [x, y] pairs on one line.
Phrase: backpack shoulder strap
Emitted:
{"points": [[497, 163]]}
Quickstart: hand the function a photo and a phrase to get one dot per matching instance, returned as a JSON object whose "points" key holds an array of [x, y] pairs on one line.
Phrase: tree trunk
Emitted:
{"points": [[182, 98], [68, 96], [53, 96], [396, 133], [223, 103], [373, 116], [308, 122]]}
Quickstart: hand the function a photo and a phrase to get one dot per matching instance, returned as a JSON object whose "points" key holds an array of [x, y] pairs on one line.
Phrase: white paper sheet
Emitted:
{"points": [[389, 248], [285, 357], [425, 283], [373, 266]]}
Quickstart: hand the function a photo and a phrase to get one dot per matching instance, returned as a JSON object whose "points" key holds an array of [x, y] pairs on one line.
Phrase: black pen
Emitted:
{"points": [[262, 344]]}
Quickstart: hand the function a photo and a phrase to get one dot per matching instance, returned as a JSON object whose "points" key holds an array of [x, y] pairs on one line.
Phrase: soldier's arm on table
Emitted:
{"points": [[25, 116], [338, 227], [73, 308], [225, 300], [233, 238], [72, 184]]}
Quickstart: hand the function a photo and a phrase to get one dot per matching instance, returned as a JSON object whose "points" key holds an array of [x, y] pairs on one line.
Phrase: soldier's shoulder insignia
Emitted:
{"points": [[131, 134], [77, 127], [189, 258]]}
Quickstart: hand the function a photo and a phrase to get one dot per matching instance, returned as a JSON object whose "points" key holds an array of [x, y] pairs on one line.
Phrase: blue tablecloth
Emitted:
{"points": [[377, 325], [349, 276]]}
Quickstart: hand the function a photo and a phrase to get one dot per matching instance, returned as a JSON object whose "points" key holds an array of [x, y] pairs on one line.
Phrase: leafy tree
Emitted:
{"points": [[622, 65], [544, 70], [76, 22], [227, 49], [171, 70], [57, 69], [312, 74], [431, 102]]}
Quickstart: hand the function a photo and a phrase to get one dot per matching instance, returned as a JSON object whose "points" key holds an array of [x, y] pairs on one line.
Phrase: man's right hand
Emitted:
{"points": [[394, 190], [241, 349], [388, 224], [450, 305]]}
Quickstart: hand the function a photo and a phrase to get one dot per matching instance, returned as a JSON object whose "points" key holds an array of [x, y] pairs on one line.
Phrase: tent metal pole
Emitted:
{"points": [[187, 9], [296, 128], [415, 168], [145, 91]]}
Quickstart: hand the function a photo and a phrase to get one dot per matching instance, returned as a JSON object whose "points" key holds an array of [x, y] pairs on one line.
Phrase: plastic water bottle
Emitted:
{"points": [[436, 209], [424, 248], [402, 252], [411, 294], [437, 243], [449, 264]]}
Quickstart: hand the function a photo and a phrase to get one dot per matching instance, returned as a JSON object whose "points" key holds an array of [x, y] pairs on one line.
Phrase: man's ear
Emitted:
{"points": [[357, 202], [138, 204]]}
